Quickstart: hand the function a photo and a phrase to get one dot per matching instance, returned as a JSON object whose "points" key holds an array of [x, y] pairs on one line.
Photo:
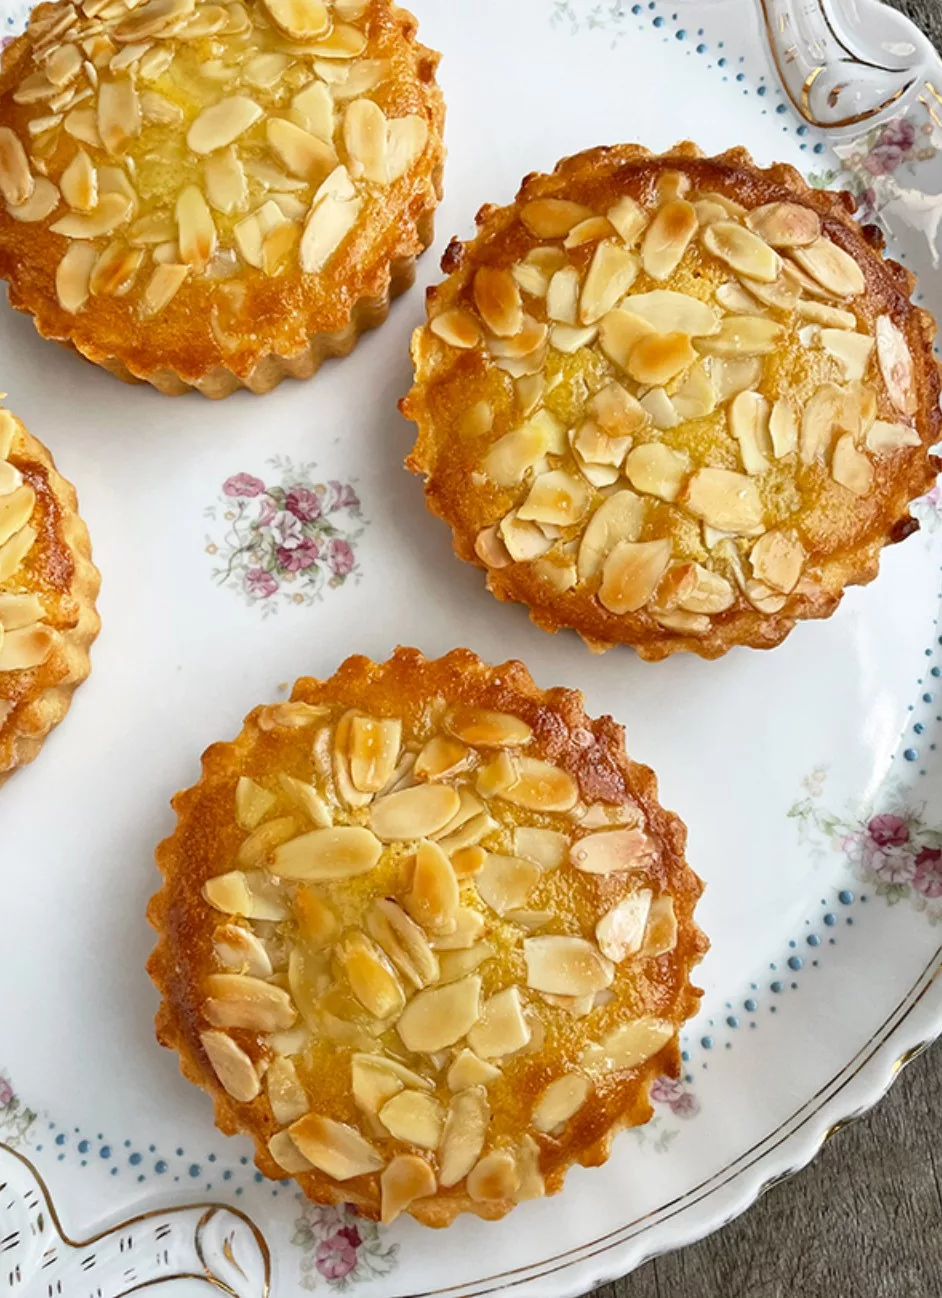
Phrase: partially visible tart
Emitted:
{"points": [[673, 401], [48, 586], [426, 935], [215, 195]]}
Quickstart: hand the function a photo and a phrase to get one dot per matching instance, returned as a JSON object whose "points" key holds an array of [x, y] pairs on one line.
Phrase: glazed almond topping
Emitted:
{"points": [[215, 139], [26, 641], [686, 383], [419, 911]]}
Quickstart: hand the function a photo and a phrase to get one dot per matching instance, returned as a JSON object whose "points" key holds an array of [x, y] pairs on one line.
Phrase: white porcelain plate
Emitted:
{"points": [[809, 776]]}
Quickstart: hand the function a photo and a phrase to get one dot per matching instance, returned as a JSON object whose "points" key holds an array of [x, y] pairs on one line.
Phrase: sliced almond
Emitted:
{"points": [[560, 1101], [439, 1016], [611, 273], [485, 729], [373, 747], [287, 1155], [372, 979], [783, 428], [735, 299], [317, 923], [333, 215], [670, 312], [505, 882], [667, 238], [494, 1178], [302, 20], [497, 299], [259, 845], [785, 225], [896, 365], [566, 966], [777, 559], [764, 598], [831, 317], [631, 573], [628, 1046], [248, 894], [850, 467], [286, 1095], [335, 1148], [733, 374], [547, 848], [18, 611], [782, 293], [440, 758], [239, 949], [553, 218], [661, 933], [413, 813], [742, 250], [524, 541], [16, 180], [293, 715], [883, 437], [14, 551], [111, 212], [658, 358], [305, 155], [502, 1028], [119, 114], [619, 518], [833, 268], [434, 896], [226, 184], [562, 296], [343, 42], [238, 1001], [414, 1117], [196, 228], [851, 350], [541, 786], [467, 1069], [830, 409], [726, 500], [342, 852], [657, 470], [743, 335], [620, 331], [365, 140], [305, 798], [589, 231], [470, 806], [629, 219], [403, 1181], [25, 649], [162, 287], [508, 460], [711, 593], [556, 498], [232, 1066], [377, 1078], [465, 1131], [612, 850], [114, 271], [468, 861], [749, 423], [469, 926], [313, 108], [73, 274]]}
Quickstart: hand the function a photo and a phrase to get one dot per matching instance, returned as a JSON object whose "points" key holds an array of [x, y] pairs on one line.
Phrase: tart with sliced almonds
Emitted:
{"points": [[215, 195], [673, 401], [48, 587], [426, 935]]}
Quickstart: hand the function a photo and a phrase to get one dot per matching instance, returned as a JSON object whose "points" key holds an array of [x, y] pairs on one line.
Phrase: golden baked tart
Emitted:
{"points": [[673, 401], [48, 586], [215, 195], [426, 935]]}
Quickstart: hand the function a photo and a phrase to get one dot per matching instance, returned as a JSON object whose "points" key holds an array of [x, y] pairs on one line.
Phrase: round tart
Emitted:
{"points": [[426, 935], [48, 586], [675, 402], [215, 196]]}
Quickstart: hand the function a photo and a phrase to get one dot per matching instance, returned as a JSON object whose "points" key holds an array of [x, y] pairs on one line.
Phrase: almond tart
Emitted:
{"points": [[215, 195], [426, 936], [48, 586], [673, 401]]}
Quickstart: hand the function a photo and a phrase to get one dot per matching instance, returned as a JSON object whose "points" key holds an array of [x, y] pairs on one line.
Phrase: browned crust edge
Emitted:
{"points": [[601, 768], [69, 664], [755, 630]]}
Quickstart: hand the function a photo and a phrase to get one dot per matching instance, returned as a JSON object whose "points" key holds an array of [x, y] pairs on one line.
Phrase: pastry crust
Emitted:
{"points": [[828, 518], [265, 281], [48, 619], [651, 986]]}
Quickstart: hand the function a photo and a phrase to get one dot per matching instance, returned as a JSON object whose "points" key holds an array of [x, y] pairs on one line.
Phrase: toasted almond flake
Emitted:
{"points": [[375, 1079], [783, 428], [743, 250], [18, 611], [468, 861], [733, 374], [530, 278], [505, 882], [490, 549], [661, 933], [440, 758], [850, 467], [851, 350], [439, 1016], [158, 110], [896, 365], [464, 1135], [156, 61], [373, 749], [463, 961], [404, 1180], [457, 328], [237, 893], [749, 423], [611, 273], [196, 228], [342, 852], [317, 923], [16, 180], [530, 339], [566, 966], [547, 848], [743, 335], [434, 896], [494, 1177], [467, 1070], [226, 185], [302, 20], [126, 58], [512, 455], [669, 312], [414, 1117], [73, 274], [485, 729], [782, 293], [726, 500], [333, 215], [553, 218], [114, 271], [372, 979], [413, 813], [658, 358], [734, 298], [286, 1095], [344, 42], [833, 268], [785, 225], [612, 850], [657, 470], [365, 139], [14, 551], [293, 715], [497, 298], [232, 1066], [16, 509], [620, 932], [631, 573], [629, 219], [406, 140], [335, 1148], [41, 203], [667, 238], [524, 541], [119, 114], [628, 1046], [26, 649], [560, 1101], [589, 231], [304, 154], [562, 296], [287, 1155], [34, 89], [155, 17], [239, 949], [777, 559], [831, 408], [238, 1001], [620, 331], [499, 773], [502, 1028], [619, 518], [79, 183], [883, 437], [469, 925], [830, 317], [712, 593], [313, 109], [556, 498], [541, 786]]}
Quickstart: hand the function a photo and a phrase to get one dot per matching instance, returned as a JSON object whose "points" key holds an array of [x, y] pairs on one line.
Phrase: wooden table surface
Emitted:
{"points": [[865, 1219]]}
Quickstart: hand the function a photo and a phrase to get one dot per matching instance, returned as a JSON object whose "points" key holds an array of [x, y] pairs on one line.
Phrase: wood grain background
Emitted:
{"points": [[865, 1219]]}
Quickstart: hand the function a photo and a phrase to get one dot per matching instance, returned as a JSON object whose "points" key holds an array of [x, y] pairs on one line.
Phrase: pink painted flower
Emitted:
{"points": [[260, 583], [336, 1257], [302, 556], [6, 1093], [928, 876], [666, 1090], [243, 484], [893, 864], [340, 495], [351, 1235], [687, 1106], [888, 831], [303, 503], [287, 530], [340, 556]]}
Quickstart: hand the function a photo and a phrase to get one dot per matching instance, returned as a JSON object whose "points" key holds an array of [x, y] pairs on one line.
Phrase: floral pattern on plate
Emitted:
{"points": [[16, 1119], [286, 542], [340, 1247]]}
